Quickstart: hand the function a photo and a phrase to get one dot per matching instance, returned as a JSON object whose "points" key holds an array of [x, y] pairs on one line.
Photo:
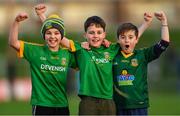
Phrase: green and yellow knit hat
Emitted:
{"points": [[53, 21]]}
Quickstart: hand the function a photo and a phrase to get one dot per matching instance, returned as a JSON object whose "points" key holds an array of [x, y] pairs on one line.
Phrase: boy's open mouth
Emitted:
{"points": [[95, 40], [126, 46], [52, 41]]}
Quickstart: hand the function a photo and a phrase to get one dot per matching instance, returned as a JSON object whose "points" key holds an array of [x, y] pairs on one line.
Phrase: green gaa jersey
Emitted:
{"points": [[130, 78], [95, 68], [48, 73]]}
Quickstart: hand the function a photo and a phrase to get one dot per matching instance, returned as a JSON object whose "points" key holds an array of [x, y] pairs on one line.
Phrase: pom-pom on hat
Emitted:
{"points": [[53, 21]]}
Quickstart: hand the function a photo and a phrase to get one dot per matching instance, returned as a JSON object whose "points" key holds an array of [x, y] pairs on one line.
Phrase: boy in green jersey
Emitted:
{"points": [[95, 65], [130, 68], [48, 63]]}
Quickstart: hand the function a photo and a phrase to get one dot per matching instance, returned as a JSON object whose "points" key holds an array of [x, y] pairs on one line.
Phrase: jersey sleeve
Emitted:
{"points": [[74, 46], [26, 50], [20, 53], [156, 50], [114, 48], [160, 47], [150, 54]]}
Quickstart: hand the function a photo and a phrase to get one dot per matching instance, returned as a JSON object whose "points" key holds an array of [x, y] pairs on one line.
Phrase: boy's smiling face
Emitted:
{"points": [[128, 41], [53, 39], [95, 35]]}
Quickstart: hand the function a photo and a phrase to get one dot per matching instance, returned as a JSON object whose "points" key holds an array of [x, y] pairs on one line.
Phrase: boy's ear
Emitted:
{"points": [[84, 35], [104, 35], [137, 40]]}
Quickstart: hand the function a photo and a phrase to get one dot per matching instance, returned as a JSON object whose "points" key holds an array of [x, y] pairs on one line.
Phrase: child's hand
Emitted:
{"points": [[106, 43], [21, 17], [85, 45], [40, 9], [161, 16], [148, 17]]}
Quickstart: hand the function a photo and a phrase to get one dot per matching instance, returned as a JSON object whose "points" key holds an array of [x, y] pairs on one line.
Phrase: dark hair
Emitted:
{"points": [[96, 20], [126, 27]]}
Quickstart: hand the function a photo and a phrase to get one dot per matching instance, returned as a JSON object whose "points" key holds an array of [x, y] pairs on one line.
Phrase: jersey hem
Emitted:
{"points": [[96, 96], [49, 105]]}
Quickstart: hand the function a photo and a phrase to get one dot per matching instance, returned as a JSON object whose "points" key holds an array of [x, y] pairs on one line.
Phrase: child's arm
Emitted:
{"points": [[146, 23], [164, 42], [13, 35], [164, 25], [40, 10], [65, 42]]}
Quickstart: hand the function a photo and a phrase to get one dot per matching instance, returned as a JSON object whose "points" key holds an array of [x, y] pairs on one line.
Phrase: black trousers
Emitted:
{"points": [[43, 110]]}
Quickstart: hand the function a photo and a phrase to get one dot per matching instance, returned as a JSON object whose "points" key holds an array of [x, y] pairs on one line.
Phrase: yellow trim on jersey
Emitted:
{"points": [[72, 46], [126, 55], [34, 43], [63, 47], [21, 50]]}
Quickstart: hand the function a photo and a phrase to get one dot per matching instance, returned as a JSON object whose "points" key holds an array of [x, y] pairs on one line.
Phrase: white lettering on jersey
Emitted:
{"points": [[52, 68]]}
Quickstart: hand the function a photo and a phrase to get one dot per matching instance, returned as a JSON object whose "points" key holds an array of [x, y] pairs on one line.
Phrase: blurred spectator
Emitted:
{"points": [[71, 82], [11, 71], [172, 68], [178, 72]]}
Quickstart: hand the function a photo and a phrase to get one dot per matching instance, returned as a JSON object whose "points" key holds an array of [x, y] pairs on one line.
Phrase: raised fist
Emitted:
{"points": [[148, 17], [160, 15], [40, 9], [21, 17]]}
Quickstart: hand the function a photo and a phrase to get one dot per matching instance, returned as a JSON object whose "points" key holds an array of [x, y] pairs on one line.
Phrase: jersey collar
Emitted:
{"points": [[49, 51], [126, 55], [99, 48]]}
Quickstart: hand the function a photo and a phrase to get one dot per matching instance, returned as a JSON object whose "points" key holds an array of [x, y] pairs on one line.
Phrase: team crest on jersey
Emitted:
{"points": [[106, 55], [63, 61], [134, 62]]}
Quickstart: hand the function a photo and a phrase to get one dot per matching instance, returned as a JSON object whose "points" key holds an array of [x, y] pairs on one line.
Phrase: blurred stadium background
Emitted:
{"points": [[164, 73]]}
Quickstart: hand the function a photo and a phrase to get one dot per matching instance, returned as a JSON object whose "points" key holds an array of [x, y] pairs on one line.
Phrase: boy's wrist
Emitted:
{"points": [[164, 23], [16, 21], [38, 13], [147, 23]]}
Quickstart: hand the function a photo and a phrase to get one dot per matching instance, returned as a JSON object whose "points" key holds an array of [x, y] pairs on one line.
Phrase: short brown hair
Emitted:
{"points": [[126, 27], [96, 20]]}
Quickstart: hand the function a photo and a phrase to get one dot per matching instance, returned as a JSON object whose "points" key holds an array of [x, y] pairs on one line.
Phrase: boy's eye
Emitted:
{"points": [[47, 32], [91, 32], [131, 37], [122, 37], [57, 33], [99, 32]]}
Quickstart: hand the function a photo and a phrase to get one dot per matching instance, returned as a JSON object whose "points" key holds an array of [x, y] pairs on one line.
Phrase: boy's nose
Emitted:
{"points": [[95, 34], [52, 35], [126, 40]]}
